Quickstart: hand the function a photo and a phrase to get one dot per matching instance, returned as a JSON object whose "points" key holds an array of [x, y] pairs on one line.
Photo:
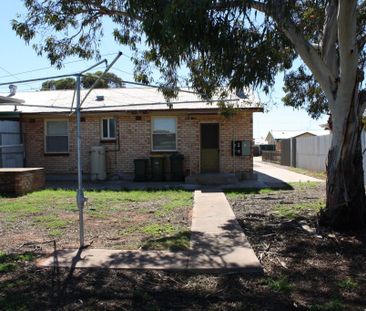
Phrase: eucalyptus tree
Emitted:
{"points": [[109, 80], [235, 44]]}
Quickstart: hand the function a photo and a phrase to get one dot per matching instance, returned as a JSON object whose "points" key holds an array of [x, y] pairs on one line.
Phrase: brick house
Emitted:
{"points": [[134, 123]]}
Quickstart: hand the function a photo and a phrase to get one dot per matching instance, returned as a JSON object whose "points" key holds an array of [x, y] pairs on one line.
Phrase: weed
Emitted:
{"points": [[280, 284], [319, 175], [8, 267], [26, 257], [171, 205], [348, 284], [243, 193], [55, 233], [178, 242], [9, 262], [51, 222], [292, 211], [158, 229], [333, 305], [304, 184], [145, 299]]}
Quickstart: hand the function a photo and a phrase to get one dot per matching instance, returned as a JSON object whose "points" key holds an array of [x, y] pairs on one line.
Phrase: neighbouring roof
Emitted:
{"points": [[290, 134], [121, 99], [10, 100]]}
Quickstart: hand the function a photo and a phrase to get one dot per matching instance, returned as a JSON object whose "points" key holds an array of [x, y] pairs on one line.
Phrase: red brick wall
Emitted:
{"points": [[19, 182], [134, 132]]}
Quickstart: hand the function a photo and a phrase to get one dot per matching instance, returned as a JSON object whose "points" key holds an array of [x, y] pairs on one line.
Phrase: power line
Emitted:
{"points": [[13, 75], [49, 67], [123, 71]]}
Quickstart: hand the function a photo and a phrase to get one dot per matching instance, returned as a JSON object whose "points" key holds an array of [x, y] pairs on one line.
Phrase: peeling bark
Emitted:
{"points": [[346, 203]]}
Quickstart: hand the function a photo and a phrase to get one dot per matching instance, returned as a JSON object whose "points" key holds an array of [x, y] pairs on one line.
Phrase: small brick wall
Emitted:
{"points": [[134, 141], [21, 181]]}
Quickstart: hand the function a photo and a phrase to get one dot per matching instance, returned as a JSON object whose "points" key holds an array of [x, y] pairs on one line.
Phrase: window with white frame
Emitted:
{"points": [[164, 134], [108, 128], [56, 136]]}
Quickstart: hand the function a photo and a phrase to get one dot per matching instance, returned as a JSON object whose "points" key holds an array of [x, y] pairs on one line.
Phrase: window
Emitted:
{"points": [[164, 134], [57, 137], [109, 128]]}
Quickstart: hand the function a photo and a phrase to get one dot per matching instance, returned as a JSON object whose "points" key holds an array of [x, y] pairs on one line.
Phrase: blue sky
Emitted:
{"points": [[17, 57]]}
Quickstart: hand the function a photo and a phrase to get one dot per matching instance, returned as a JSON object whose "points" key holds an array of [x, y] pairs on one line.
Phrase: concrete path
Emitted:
{"points": [[271, 173], [218, 241], [217, 245]]}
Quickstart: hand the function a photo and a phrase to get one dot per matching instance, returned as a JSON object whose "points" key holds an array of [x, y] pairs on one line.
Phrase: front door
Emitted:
{"points": [[210, 159]]}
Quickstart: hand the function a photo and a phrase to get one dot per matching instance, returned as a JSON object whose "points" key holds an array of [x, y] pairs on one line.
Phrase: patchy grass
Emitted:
{"points": [[292, 211], [51, 222], [302, 271], [113, 219], [279, 284], [304, 185], [157, 229], [333, 305], [7, 267], [348, 284], [233, 194], [174, 203], [319, 175], [9, 263], [177, 242]]}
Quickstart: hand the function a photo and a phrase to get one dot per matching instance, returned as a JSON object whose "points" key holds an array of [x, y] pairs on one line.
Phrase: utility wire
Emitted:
{"points": [[13, 75], [49, 67], [147, 85]]}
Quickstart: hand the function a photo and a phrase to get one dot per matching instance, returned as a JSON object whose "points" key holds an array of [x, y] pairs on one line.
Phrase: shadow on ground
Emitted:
{"points": [[28, 287]]}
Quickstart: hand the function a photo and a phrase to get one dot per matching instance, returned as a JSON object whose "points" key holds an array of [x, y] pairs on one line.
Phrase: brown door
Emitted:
{"points": [[210, 157]]}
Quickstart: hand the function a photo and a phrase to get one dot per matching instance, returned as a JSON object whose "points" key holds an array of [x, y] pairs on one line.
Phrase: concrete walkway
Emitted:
{"points": [[268, 171], [272, 175], [217, 244], [218, 241]]}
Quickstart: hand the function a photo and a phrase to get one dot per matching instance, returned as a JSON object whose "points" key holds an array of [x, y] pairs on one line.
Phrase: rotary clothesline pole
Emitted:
{"points": [[80, 198]]}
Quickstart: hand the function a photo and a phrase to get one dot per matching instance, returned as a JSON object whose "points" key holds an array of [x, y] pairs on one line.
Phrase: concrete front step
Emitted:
{"points": [[212, 179]]}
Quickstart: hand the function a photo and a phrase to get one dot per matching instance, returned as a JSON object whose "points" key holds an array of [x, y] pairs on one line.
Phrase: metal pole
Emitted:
{"points": [[101, 76], [80, 199]]}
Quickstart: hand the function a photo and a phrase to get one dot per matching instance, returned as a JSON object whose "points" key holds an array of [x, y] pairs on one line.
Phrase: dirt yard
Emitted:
{"points": [[113, 219], [317, 268], [305, 268]]}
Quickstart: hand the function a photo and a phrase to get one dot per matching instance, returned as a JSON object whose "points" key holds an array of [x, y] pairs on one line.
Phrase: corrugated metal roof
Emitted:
{"points": [[124, 99], [291, 134], [7, 100]]}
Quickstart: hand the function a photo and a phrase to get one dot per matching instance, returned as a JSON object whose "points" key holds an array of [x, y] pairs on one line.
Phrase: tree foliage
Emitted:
{"points": [[61, 84], [223, 43], [109, 80], [230, 45]]}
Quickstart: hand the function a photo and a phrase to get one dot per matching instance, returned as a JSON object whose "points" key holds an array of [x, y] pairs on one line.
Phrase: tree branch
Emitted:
{"points": [[307, 52], [348, 51], [328, 48]]}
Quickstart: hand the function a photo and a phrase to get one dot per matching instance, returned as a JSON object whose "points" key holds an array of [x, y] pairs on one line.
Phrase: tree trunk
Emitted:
{"points": [[345, 205]]}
